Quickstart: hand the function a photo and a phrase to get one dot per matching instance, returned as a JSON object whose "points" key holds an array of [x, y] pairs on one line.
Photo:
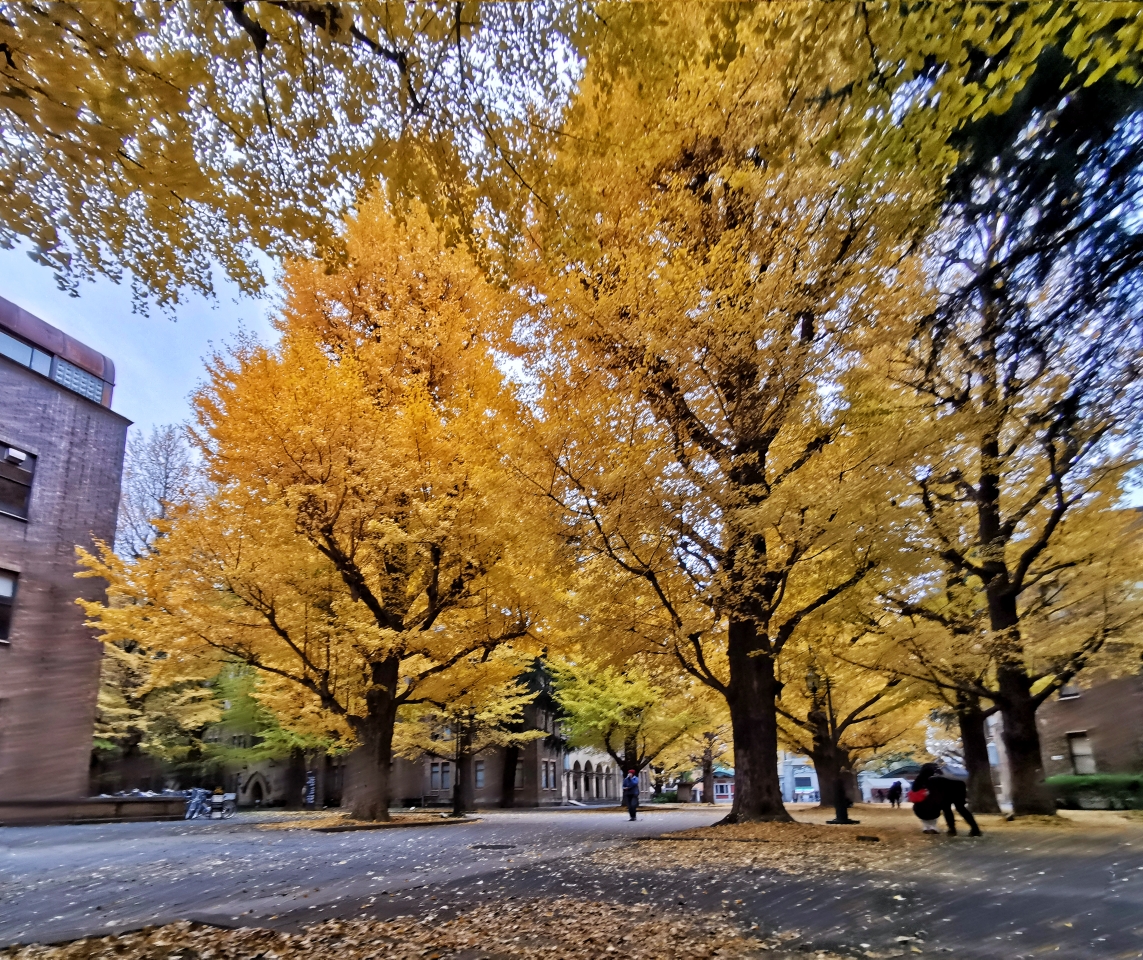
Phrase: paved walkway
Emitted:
{"points": [[1073, 893], [63, 882]]}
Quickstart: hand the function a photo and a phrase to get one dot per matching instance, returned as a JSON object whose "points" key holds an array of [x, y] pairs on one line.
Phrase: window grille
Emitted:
{"points": [[85, 384]]}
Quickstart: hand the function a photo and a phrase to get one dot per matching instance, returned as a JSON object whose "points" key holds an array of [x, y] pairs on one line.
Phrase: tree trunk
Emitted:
{"points": [[974, 739], [463, 790], [1017, 705], [1030, 795], [369, 767], [833, 765], [827, 762], [751, 696], [828, 769], [707, 776], [631, 756], [295, 779], [508, 780]]}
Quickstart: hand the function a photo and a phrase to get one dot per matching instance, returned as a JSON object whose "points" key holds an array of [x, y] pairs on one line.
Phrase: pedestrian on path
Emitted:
{"points": [[631, 792], [934, 794], [894, 795]]}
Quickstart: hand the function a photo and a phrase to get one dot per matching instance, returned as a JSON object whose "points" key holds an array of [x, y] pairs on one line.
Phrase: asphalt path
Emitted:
{"points": [[64, 882], [1008, 895]]}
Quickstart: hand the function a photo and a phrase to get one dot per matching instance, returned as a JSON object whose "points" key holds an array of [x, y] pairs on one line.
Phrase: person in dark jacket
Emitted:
{"points": [[894, 794], [942, 794], [631, 792]]}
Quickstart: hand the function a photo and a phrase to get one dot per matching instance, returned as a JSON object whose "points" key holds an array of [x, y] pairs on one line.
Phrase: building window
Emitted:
{"points": [[28, 356], [803, 783], [16, 470], [1083, 757], [434, 776], [543, 774], [479, 774], [7, 598], [722, 789], [519, 781], [446, 777]]}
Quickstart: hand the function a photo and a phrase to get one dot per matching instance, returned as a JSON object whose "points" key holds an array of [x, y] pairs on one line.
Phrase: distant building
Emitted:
{"points": [[61, 458], [798, 778], [540, 773], [1093, 730]]}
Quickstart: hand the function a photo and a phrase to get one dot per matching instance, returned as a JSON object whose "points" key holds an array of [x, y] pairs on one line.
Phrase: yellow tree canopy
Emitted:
{"points": [[163, 140], [166, 140], [626, 713], [723, 291], [357, 544]]}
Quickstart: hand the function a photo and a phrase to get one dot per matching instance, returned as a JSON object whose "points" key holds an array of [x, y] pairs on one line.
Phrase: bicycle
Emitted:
{"points": [[204, 805]]}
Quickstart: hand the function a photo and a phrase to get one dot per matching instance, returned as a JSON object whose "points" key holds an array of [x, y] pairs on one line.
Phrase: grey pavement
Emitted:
{"points": [[63, 882], [1009, 895]]}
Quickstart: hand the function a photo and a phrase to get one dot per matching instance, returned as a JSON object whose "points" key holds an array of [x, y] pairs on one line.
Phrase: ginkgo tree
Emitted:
{"points": [[1079, 619], [840, 714], [624, 712], [1031, 361], [484, 709], [355, 546], [731, 276], [721, 296], [707, 744], [165, 143]]}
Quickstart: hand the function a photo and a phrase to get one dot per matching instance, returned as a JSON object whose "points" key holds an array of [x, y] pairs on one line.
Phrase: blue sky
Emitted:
{"points": [[158, 360]]}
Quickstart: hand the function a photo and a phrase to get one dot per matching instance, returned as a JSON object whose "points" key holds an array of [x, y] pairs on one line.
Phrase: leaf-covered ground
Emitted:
{"points": [[567, 884], [564, 928]]}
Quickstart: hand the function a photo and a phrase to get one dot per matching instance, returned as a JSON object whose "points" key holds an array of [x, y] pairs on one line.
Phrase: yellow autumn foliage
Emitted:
{"points": [[357, 543]]}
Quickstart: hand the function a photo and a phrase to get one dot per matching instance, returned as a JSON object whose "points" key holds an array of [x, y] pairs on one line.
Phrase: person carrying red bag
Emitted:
{"points": [[934, 794]]}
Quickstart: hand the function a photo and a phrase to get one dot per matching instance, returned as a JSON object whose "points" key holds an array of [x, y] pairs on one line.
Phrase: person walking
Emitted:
{"points": [[933, 794], [894, 795], [631, 792]]}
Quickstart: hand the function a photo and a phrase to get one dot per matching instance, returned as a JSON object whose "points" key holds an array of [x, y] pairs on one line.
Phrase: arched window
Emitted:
{"points": [[587, 780], [577, 780]]}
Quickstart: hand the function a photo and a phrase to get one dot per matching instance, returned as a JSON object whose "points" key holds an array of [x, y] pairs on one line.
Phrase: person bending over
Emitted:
{"points": [[941, 794]]}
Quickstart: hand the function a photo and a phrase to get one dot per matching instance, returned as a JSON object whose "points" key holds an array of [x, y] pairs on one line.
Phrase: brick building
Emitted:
{"points": [[1098, 729], [61, 457]]}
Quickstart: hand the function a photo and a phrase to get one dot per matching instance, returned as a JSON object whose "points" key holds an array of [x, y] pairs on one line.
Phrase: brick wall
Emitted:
{"points": [[49, 671], [1110, 713]]}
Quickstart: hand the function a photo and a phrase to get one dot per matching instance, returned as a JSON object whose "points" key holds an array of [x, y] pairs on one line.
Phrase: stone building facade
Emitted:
{"points": [[61, 459], [541, 773]]}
